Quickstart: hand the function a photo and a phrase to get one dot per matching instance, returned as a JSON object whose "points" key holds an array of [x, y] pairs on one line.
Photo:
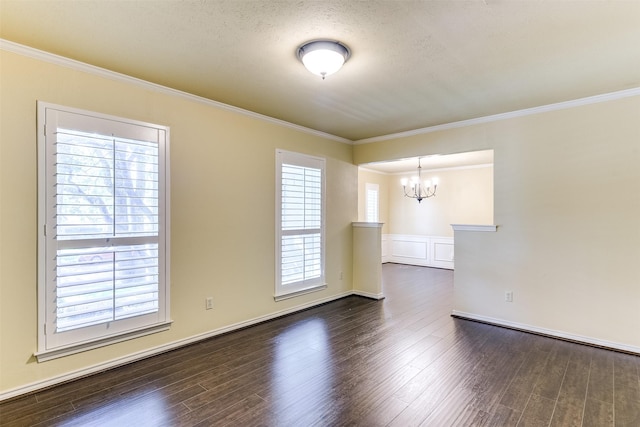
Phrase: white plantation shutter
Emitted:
{"points": [[300, 211], [100, 285], [372, 202], [104, 186], [105, 218]]}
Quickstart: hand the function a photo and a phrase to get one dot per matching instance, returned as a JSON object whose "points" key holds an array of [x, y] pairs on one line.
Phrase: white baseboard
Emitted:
{"points": [[58, 379], [548, 332], [369, 295]]}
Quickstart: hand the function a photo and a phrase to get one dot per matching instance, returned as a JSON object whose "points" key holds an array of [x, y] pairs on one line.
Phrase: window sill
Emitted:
{"points": [[78, 348], [300, 292]]}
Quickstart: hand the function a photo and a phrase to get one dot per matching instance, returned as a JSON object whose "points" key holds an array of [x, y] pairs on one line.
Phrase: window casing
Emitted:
{"points": [[300, 224], [104, 220], [372, 201]]}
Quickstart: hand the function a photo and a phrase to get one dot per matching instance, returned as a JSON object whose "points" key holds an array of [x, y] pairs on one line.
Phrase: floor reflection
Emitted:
{"points": [[302, 369], [149, 409]]}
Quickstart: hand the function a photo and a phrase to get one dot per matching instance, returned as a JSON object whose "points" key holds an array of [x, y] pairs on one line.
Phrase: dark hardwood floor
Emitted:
{"points": [[403, 361]]}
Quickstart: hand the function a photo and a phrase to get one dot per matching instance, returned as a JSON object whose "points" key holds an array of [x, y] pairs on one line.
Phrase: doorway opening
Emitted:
{"points": [[420, 233]]}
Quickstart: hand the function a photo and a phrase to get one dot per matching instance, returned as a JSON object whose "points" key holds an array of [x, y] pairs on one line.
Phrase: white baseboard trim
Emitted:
{"points": [[114, 363], [548, 332], [369, 295]]}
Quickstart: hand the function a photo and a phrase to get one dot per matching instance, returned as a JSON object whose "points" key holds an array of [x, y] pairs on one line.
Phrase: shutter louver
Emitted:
{"points": [[106, 228], [301, 223], [372, 203]]}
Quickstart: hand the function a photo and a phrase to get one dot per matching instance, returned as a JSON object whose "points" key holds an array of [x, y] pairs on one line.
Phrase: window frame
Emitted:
{"points": [[285, 291], [375, 188], [53, 344]]}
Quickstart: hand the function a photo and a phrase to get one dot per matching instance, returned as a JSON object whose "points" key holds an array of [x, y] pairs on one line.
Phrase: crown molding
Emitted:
{"points": [[51, 58], [448, 169], [452, 168], [504, 116], [27, 51]]}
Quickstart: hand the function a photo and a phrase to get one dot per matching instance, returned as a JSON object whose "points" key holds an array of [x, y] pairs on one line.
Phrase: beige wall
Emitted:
{"points": [[567, 204], [465, 196], [222, 211]]}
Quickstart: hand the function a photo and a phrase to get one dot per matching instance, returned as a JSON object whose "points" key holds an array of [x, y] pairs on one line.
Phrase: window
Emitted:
{"points": [[104, 221], [300, 224], [372, 203]]}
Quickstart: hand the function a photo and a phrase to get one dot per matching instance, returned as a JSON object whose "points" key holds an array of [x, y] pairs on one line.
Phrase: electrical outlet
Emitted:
{"points": [[208, 303], [508, 296], [341, 275]]}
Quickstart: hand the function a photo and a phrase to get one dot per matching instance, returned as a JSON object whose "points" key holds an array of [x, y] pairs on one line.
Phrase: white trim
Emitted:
{"points": [[509, 115], [453, 168], [46, 355], [371, 189], [385, 250], [416, 249], [312, 289], [41, 55], [369, 295], [134, 357], [366, 169], [54, 344], [548, 332], [474, 227], [51, 58], [283, 291]]}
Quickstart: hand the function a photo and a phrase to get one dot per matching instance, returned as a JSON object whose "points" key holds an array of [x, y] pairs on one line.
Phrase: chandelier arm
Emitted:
{"points": [[415, 194], [420, 192], [407, 194]]}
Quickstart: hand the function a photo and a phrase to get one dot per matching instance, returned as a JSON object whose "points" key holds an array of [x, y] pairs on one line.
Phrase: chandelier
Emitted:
{"points": [[417, 188]]}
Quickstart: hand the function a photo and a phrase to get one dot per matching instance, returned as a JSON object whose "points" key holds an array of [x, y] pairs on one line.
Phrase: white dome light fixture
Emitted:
{"points": [[323, 57]]}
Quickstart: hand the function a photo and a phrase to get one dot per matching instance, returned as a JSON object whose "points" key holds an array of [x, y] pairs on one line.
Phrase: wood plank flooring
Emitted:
{"points": [[403, 361]]}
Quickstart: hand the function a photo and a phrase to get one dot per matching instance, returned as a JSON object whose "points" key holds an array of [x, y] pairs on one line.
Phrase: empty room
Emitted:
{"points": [[305, 213]]}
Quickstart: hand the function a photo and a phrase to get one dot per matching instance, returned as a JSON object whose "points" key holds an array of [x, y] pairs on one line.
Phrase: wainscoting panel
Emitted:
{"points": [[386, 253], [442, 252], [409, 249], [428, 251]]}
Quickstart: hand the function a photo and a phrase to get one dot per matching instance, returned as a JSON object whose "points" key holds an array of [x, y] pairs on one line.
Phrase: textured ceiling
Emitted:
{"points": [[415, 64]]}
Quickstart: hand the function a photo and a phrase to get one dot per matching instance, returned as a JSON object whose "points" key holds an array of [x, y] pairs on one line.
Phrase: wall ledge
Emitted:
{"points": [[368, 224], [552, 333], [474, 227]]}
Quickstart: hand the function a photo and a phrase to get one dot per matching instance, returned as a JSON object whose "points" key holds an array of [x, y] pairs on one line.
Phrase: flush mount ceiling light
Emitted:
{"points": [[323, 57]]}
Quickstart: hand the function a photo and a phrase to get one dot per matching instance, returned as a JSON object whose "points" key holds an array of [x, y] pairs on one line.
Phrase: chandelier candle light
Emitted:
{"points": [[418, 189]]}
